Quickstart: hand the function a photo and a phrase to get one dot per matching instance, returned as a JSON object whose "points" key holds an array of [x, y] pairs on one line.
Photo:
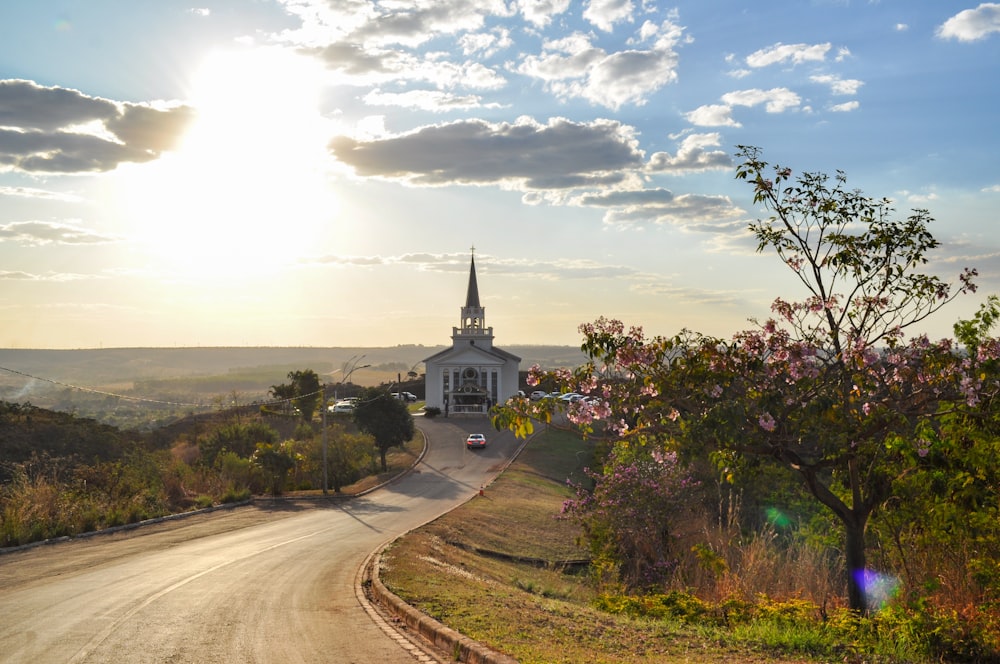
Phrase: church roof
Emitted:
{"points": [[472, 296], [461, 353]]}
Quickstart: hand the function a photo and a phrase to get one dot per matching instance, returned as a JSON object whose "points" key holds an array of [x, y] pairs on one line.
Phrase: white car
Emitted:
{"points": [[475, 440], [538, 394], [342, 407]]}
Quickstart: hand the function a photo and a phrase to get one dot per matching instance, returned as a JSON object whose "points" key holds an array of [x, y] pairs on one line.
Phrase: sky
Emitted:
{"points": [[318, 172]]}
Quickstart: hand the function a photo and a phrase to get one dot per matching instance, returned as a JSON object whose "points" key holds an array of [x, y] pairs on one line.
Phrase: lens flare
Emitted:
{"points": [[878, 588], [778, 518]]}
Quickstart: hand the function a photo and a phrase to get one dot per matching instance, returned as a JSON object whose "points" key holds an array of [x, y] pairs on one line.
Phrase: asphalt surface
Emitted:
{"points": [[262, 583]]}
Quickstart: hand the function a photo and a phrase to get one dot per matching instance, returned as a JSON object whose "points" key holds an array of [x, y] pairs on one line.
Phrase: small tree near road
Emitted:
{"points": [[304, 392], [386, 419]]}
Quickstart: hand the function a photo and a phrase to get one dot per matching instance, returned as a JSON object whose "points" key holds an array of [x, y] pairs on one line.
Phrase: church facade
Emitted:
{"points": [[473, 375]]}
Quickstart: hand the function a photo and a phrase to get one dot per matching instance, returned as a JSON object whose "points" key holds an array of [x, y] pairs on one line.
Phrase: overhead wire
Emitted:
{"points": [[128, 397]]}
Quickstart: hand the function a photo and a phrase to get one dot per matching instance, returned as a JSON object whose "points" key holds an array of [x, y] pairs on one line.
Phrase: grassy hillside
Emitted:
{"points": [[501, 570]]}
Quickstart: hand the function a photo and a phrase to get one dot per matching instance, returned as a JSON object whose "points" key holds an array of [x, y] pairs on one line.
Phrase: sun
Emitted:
{"points": [[247, 189]]}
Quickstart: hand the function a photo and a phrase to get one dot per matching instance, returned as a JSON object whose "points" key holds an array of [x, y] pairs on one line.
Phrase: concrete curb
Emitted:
{"points": [[419, 626], [442, 637]]}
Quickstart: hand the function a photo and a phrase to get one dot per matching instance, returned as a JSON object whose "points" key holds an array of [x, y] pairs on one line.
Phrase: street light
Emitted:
{"points": [[353, 363]]}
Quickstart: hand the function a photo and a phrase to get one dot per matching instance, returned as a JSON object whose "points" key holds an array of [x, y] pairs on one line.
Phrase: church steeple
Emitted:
{"points": [[473, 313], [472, 297]]}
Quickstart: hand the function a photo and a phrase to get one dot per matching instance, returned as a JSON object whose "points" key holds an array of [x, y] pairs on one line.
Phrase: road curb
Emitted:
{"points": [[440, 636], [419, 627]]}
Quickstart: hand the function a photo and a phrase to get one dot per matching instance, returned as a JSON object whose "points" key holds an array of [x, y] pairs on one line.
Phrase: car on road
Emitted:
{"points": [[475, 440], [342, 407]]}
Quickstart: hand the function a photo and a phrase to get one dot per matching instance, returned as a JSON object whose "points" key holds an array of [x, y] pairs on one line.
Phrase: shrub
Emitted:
{"points": [[432, 411]]}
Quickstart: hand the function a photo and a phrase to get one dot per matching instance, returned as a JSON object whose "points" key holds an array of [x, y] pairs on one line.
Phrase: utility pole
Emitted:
{"points": [[353, 363]]}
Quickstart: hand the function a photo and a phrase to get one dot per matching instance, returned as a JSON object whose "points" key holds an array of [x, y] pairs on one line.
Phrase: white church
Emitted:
{"points": [[473, 375]]}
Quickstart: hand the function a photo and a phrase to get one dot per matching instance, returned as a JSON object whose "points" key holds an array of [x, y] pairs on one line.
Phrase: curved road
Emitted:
{"points": [[251, 585]]}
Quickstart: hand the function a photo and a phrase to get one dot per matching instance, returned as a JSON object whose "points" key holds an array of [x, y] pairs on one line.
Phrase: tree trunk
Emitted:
{"points": [[854, 553], [385, 466], [855, 520]]}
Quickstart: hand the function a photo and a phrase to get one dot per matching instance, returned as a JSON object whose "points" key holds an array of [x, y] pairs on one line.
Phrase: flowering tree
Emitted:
{"points": [[631, 518], [827, 387]]}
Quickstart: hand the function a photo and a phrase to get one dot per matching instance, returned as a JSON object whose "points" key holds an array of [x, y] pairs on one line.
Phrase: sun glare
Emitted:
{"points": [[246, 191]]}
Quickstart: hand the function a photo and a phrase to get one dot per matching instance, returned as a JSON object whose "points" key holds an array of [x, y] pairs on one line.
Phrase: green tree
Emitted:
{"points": [[240, 439], [303, 391], [275, 460], [349, 456], [386, 419]]}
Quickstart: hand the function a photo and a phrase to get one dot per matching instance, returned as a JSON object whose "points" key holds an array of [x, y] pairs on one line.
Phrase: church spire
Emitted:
{"points": [[472, 297], [473, 314]]}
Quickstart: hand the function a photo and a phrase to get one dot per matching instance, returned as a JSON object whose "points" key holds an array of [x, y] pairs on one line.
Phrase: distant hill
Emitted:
{"points": [[164, 383]]}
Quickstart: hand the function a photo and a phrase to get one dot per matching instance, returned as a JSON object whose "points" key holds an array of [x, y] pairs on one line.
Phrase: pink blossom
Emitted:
{"points": [[533, 375], [767, 422], [923, 447]]}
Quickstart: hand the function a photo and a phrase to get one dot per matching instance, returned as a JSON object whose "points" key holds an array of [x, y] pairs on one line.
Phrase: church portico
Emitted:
{"points": [[473, 375]]}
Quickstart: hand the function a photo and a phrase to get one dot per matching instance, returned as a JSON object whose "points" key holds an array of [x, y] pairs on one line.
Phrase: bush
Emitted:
{"points": [[432, 411]]}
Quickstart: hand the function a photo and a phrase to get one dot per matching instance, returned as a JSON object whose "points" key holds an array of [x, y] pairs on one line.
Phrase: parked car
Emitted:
{"points": [[538, 394], [475, 440], [405, 396], [570, 397], [342, 407]]}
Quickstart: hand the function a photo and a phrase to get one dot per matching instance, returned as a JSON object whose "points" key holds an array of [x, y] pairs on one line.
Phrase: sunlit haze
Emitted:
{"points": [[315, 173]]}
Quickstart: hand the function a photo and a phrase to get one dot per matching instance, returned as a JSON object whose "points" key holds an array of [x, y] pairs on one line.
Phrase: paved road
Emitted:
{"points": [[258, 584]]}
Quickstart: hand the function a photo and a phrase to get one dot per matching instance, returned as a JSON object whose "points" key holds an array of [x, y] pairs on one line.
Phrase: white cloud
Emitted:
{"points": [[541, 12], [559, 155], [846, 107], [37, 233], [692, 156], [775, 100], [712, 115], [793, 53], [605, 13], [428, 100], [838, 85], [972, 24], [992, 189], [17, 275], [690, 211], [41, 129], [573, 67], [901, 27], [486, 44], [41, 194], [922, 198]]}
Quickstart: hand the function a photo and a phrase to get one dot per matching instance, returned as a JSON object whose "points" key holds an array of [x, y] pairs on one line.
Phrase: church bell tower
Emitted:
{"points": [[473, 330]]}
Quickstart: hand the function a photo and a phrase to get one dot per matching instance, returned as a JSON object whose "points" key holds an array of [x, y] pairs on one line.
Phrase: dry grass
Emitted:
{"points": [[537, 613]]}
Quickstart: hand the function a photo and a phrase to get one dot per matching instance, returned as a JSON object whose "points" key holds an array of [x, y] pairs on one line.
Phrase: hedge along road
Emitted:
{"points": [[255, 584]]}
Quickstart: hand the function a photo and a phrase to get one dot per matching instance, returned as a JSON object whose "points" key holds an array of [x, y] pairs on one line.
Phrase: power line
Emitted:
{"points": [[135, 398]]}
